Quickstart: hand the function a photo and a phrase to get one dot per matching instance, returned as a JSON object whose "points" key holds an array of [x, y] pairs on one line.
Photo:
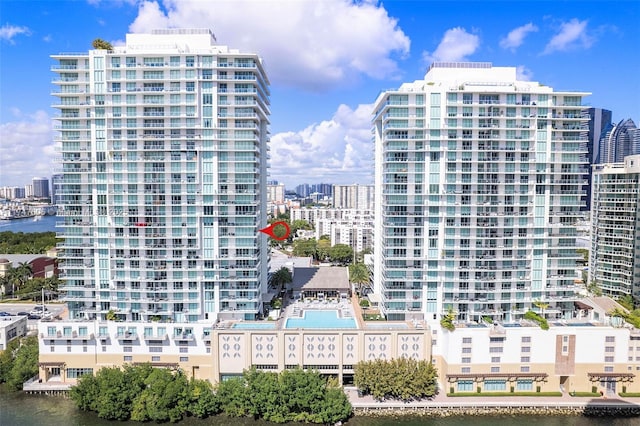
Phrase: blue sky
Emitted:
{"points": [[327, 62]]}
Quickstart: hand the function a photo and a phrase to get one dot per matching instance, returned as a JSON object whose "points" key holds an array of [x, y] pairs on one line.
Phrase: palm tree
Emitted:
{"points": [[541, 305], [281, 277], [359, 274]]}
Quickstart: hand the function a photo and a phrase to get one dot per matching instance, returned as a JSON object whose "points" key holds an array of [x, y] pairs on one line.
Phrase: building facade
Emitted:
{"points": [[353, 197], [353, 228], [615, 228], [11, 327], [479, 180], [40, 187], [163, 146]]}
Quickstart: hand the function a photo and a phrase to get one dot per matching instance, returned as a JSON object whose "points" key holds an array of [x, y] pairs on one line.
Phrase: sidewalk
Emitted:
{"points": [[444, 401]]}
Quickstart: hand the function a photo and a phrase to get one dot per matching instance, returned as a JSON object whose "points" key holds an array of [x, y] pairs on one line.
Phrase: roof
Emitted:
{"points": [[17, 259], [603, 303], [321, 278]]}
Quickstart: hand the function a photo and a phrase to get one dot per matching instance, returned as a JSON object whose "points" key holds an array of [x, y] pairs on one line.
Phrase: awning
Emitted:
{"points": [[623, 377], [478, 377], [582, 305]]}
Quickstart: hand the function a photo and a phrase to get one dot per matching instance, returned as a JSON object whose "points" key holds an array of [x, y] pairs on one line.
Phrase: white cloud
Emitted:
{"points": [[516, 36], [572, 35], [456, 45], [340, 150], [307, 44], [27, 148], [8, 32], [523, 73]]}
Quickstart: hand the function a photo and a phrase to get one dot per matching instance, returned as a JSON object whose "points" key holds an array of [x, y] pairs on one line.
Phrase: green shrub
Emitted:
{"points": [[364, 303], [594, 389]]}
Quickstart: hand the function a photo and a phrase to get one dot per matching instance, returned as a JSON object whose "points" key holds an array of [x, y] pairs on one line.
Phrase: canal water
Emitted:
{"points": [[30, 224], [18, 409]]}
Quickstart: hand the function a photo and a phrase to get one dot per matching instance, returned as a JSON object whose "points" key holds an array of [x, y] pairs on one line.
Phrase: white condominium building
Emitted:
{"points": [[479, 181], [353, 196], [615, 247], [163, 153]]}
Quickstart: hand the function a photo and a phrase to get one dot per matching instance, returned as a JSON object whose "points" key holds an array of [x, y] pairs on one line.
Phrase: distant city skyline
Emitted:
{"points": [[326, 78]]}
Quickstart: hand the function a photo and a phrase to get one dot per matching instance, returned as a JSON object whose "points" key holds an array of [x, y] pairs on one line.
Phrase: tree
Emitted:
{"points": [[101, 44], [323, 248], [25, 364], [447, 320], [401, 378], [359, 275], [541, 305], [341, 253], [305, 248], [232, 395], [202, 401], [627, 301], [281, 277]]}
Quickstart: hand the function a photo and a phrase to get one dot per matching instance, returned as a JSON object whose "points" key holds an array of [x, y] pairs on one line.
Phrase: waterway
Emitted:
{"points": [[30, 224], [18, 409]]}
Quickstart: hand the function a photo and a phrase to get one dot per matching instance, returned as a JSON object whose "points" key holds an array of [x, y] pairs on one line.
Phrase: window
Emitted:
{"points": [[495, 359], [74, 373], [128, 358], [155, 358], [495, 369], [495, 350], [526, 339], [608, 359], [466, 350], [524, 369], [526, 349], [465, 370], [465, 385], [466, 340], [495, 385], [610, 339], [466, 360], [609, 349], [525, 359], [524, 385], [608, 369], [184, 359]]}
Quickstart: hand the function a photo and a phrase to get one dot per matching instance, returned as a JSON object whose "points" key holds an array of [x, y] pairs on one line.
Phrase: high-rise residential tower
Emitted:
{"points": [[353, 196], [40, 187], [615, 228], [479, 181], [163, 147], [599, 122]]}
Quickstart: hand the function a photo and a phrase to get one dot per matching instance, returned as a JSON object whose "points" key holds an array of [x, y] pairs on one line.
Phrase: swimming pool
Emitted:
{"points": [[320, 319], [254, 325]]}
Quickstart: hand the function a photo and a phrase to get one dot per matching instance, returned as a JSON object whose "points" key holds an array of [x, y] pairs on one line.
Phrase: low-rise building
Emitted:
{"points": [[11, 327]]}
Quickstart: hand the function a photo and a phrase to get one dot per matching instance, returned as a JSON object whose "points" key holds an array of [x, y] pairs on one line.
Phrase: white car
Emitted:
{"points": [[40, 310]]}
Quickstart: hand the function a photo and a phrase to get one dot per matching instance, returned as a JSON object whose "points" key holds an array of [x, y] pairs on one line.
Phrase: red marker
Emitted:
{"points": [[269, 231]]}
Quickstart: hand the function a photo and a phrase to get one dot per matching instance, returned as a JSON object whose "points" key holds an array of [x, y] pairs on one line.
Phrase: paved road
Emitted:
{"points": [[13, 308]]}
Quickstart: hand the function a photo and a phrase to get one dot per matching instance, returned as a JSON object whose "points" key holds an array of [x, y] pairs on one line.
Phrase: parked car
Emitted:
{"points": [[5, 314], [23, 314], [33, 317], [39, 310]]}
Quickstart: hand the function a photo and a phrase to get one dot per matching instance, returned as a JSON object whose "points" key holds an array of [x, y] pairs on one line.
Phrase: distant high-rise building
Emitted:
{"points": [[615, 229], [275, 193], [599, 121], [353, 196], [40, 187], [56, 186], [303, 190], [479, 180], [162, 199], [619, 141]]}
